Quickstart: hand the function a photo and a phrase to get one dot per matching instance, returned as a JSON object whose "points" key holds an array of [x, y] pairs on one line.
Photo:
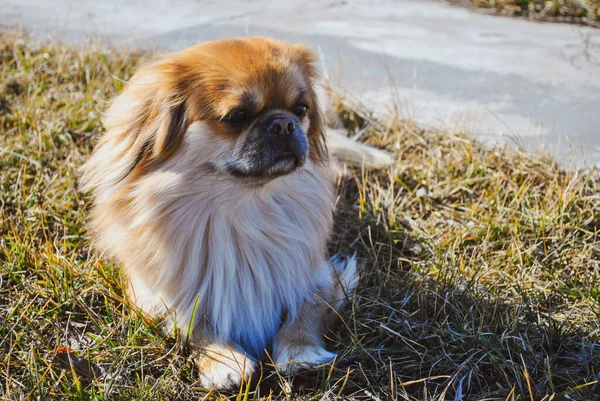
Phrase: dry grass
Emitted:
{"points": [[481, 277], [570, 11]]}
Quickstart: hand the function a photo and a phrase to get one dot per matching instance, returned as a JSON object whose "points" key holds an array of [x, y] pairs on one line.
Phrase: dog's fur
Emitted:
{"points": [[239, 260]]}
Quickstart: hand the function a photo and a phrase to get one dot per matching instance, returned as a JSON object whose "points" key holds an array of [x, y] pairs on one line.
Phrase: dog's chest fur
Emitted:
{"points": [[240, 258]]}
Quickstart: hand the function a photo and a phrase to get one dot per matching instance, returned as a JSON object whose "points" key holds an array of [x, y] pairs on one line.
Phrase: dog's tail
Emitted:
{"points": [[341, 147], [345, 275], [347, 150]]}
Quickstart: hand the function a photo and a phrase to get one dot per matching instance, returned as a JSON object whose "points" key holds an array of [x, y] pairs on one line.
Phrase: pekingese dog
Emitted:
{"points": [[212, 187]]}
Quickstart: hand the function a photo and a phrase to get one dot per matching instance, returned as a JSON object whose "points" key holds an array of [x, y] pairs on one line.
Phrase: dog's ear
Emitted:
{"points": [[316, 132], [146, 123]]}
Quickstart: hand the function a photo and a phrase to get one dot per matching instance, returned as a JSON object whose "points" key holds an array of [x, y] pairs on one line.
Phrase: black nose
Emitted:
{"points": [[281, 125]]}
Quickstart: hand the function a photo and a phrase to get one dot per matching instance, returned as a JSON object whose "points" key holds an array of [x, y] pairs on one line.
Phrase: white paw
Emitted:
{"points": [[223, 374], [345, 278], [291, 359]]}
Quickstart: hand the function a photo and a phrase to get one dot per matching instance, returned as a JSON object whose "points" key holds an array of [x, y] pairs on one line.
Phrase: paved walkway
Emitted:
{"points": [[503, 79]]}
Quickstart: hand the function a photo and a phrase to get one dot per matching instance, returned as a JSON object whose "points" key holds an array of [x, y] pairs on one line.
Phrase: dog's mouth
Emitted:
{"points": [[285, 160], [280, 165]]}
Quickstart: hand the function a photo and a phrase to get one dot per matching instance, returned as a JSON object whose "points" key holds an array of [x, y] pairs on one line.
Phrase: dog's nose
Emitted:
{"points": [[281, 125]]}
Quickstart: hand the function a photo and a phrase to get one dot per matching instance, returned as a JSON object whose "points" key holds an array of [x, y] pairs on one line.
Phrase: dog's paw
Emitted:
{"points": [[225, 370], [291, 359], [221, 376]]}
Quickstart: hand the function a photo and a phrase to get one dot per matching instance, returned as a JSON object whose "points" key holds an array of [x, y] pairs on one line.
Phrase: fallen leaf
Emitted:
{"points": [[65, 358]]}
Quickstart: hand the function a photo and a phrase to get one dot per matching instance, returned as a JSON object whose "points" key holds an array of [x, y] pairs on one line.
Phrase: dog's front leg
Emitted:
{"points": [[299, 342], [222, 365]]}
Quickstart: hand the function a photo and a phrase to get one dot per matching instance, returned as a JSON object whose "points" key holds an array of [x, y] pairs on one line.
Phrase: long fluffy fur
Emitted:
{"points": [[191, 239], [244, 255]]}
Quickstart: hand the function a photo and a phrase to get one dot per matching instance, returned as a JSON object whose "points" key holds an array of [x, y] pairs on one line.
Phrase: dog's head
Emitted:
{"points": [[250, 102]]}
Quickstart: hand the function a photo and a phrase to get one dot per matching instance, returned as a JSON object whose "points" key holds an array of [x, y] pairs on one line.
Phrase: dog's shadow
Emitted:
{"points": [[407, 335]]}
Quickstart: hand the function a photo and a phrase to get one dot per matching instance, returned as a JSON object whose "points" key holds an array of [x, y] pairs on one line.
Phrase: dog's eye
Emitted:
{"points": [[237, 116], [300, 110]]}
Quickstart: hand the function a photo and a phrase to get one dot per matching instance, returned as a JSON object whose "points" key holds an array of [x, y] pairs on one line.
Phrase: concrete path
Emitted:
{"points": [[502, 79]]}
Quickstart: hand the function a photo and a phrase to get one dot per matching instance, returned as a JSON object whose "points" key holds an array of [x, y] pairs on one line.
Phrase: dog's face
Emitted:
{"points": [[258, 96], [254, 96]]}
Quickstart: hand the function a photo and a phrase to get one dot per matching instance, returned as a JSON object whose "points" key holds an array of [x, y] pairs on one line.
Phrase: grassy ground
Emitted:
{"points": [[481, 277], [573, 11]]}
